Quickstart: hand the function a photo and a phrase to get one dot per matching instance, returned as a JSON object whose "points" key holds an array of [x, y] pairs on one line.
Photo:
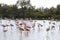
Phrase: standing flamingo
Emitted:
{"points": [[53, 27], [47, 29], [11, 26], [20, 25], [39, 26], [33, 26], [27, 29], [11, 23], [49, 22], [4, 26]]}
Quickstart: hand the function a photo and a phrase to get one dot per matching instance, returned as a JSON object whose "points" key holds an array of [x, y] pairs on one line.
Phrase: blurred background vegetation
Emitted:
{"points": [[26, 10]]}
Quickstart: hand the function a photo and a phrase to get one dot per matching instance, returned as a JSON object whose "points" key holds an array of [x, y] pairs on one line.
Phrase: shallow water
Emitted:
{"points": [[36, 34]]}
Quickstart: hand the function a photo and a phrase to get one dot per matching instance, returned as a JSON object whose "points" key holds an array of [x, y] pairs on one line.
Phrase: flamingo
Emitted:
{"points": [[20, 26], [53, 23], [21, 29], [17, 23], [7, 25], [33, 26], [39, 26], [4, 30], [53, 27], [11, 26], [48, 29], [21, 23], [49, 22], [27, 30]]}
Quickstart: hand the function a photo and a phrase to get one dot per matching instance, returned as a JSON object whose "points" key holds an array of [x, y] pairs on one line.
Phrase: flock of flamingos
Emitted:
{"points": [[26, 25]]}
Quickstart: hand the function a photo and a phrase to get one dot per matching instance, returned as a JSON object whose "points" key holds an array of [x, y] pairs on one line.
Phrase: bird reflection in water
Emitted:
{"points": [[5, 36]]}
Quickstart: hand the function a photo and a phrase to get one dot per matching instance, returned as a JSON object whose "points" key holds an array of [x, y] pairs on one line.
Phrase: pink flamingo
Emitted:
{"points": [[27, 29], [20, 26], [4, 30]]}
